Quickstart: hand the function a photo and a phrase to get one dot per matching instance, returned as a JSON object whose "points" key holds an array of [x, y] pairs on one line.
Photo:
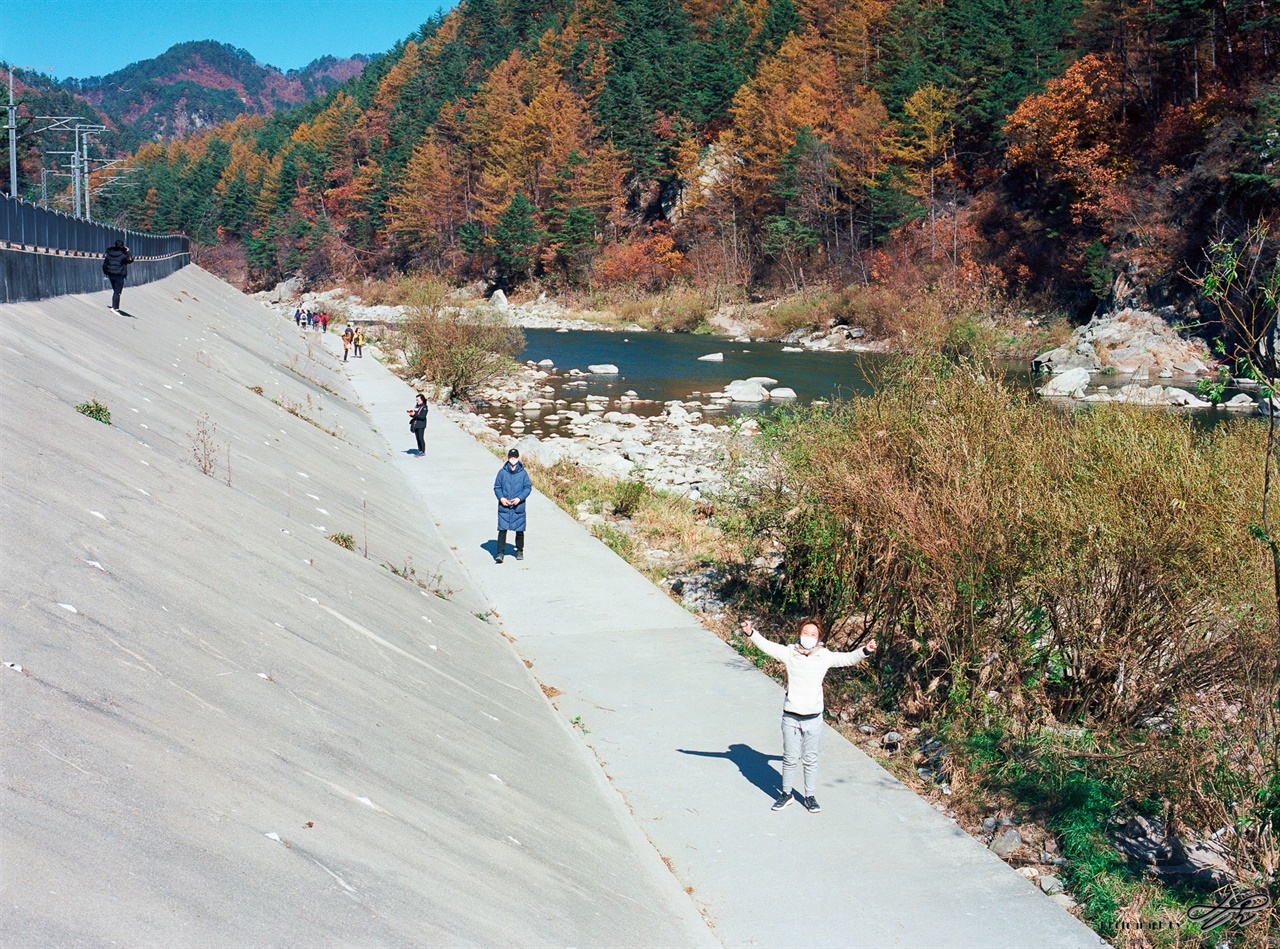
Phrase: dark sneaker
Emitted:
{"points": [[811, 803], [782, 801], [519, 555], [498, 559]]}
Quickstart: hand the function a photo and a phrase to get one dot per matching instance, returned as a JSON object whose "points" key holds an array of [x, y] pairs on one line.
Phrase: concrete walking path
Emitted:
{"points": [[687, 731]]}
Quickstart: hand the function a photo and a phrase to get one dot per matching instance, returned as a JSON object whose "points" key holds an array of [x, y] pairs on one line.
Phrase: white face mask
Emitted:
{"points": [[808, 642]]}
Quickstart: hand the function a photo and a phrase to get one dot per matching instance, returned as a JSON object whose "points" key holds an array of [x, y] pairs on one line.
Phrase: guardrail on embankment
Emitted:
{"points": [[46, 253]]}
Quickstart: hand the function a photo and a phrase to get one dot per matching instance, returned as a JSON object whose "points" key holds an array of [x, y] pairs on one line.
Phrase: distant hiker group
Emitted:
{"points": [[311, 318]]}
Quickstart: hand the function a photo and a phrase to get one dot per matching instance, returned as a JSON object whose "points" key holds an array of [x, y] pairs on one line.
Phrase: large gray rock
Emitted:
{"points": [[1184, 398], [498, 300], [1152, 848], [782, 392], [740, 390], [1130, 341], [1050, 884], [549, 452], [1242, 402], [1066, 384], [1006, 843], [603, 369]]}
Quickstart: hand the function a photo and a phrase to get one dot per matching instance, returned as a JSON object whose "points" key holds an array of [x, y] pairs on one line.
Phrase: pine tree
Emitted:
{"points": [[516, 238]]}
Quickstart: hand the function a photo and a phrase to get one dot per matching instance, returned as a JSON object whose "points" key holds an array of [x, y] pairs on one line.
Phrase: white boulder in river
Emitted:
{"points": [[712, 357], [762, 380], [743, 390], [1066, 383], [603, 369], [782, 392]]}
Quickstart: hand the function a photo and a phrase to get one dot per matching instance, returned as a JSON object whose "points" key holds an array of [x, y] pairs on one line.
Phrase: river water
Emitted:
{"points": [[665, 366], [659, 367]]}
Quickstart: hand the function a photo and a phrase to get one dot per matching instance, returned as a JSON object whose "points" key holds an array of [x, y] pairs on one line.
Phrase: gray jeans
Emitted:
{"points": [[800, 738]]}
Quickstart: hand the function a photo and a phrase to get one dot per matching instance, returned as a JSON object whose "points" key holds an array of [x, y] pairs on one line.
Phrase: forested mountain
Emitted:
{"points": [[1032, 147], [189, 87], [194, 85]]}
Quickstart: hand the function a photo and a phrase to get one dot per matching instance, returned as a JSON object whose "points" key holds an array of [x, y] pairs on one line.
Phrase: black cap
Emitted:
{"points": [[513, 453]]}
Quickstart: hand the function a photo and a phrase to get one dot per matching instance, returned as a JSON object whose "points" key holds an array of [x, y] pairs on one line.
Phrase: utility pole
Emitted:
{"points": [[88, 216], [13, 140], [12, 125], [75, 178], [82, 155]]}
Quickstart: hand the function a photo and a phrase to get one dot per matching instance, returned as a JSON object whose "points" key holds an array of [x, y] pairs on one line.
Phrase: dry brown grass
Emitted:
{"points": [[659, 521], [421, 290], [456, 350]]}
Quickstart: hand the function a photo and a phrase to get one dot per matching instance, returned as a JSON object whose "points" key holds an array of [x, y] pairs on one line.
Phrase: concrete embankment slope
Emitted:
{"points": [[688, 733], [227, 730]]}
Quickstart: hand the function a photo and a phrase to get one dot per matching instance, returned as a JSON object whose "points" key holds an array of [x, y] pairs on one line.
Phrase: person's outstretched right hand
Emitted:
{"points": [[747, 629]]}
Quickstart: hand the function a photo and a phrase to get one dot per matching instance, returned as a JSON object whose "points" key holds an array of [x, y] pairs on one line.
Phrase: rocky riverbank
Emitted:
{"points": [[680, 447], [546, 313], [1137, 357]]}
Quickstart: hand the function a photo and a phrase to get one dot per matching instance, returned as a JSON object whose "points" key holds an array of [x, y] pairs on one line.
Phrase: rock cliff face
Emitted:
{"points": [[1129, 341]]}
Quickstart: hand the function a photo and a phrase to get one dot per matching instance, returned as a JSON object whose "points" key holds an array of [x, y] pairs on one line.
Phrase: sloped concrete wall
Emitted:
{"points": [[219, 727]]}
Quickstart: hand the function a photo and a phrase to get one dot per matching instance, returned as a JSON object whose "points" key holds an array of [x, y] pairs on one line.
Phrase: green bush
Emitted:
{"points": [[627, 497], [95, 410]]}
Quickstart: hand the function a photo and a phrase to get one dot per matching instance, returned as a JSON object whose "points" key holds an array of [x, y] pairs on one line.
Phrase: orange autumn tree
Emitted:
{"points": [[428, 204], [527, 131], [804, 145], [1072, 135]]}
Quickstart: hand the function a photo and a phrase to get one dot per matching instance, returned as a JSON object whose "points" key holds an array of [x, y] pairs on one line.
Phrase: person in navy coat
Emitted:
{"points": [[512, 488]]}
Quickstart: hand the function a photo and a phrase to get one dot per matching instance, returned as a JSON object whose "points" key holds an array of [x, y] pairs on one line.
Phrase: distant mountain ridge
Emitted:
{"points": [[196, 84]]}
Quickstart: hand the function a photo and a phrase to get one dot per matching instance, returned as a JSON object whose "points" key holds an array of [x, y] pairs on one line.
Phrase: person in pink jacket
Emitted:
{"points": [[807, 662]]}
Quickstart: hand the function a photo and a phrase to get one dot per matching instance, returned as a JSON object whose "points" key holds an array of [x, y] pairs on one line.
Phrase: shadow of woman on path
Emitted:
{"points": [[753, 765]]}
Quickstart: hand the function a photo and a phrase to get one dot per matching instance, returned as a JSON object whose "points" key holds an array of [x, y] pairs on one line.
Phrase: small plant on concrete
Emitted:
{"points": [[345, 541], [405, 572], [204, 450], [95, 410]]}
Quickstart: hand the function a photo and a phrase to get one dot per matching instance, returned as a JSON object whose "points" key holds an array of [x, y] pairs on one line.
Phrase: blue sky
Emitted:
{"points": [[93, 37]]}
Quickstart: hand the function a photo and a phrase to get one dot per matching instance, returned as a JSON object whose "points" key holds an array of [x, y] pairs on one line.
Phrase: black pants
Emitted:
{"points": [[502, 542], [117, 284], [420, 435], [359, 346]]}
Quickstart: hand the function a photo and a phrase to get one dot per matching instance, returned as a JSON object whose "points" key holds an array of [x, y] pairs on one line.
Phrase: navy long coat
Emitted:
{"points": [[512, 484]]}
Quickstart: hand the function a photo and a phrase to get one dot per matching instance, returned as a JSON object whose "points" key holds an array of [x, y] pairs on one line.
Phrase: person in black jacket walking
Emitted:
{"points": [[115, 265]]}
